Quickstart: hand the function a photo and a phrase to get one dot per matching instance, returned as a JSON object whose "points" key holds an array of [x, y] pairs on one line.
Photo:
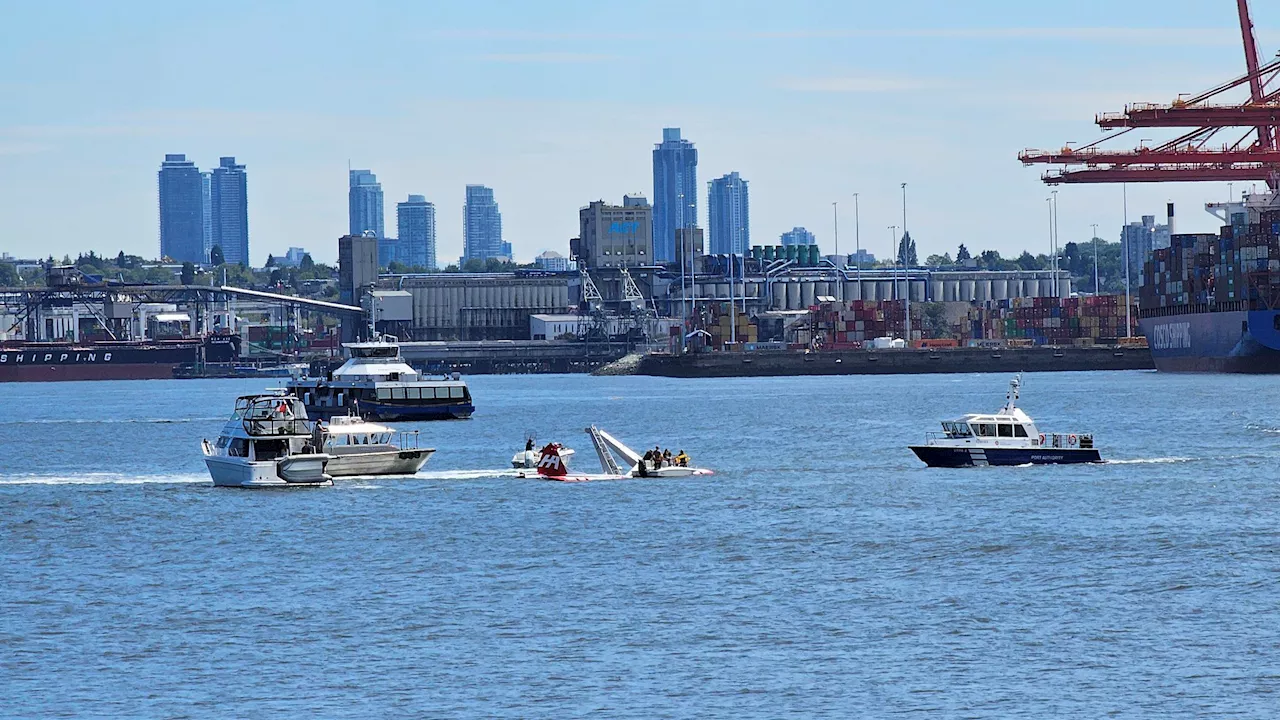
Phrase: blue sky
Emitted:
{"points": [[555, 104]]}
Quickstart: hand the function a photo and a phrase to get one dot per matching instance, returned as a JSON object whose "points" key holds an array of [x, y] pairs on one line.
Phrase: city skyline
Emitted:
{"points": [[848, 102]]}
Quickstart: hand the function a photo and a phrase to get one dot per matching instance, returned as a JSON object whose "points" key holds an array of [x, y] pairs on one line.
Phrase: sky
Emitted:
{"points": [[558, 103]]}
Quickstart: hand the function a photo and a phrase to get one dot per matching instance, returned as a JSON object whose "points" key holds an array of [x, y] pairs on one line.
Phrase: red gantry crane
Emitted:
{"points": [[1190, 156]]}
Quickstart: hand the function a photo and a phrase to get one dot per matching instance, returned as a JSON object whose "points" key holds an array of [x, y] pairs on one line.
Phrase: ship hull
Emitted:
{"points": [[47, 362], [951, 457], [1242, 341]]}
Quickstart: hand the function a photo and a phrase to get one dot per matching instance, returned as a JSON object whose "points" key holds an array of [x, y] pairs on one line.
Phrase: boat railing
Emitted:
{"points": [[276, 427], [408, 440], [1067, 441]]}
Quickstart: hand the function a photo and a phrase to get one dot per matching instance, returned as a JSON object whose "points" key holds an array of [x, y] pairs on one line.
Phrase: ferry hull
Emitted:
{"points": [[1243, 341], [383, 412], [935, 456]]}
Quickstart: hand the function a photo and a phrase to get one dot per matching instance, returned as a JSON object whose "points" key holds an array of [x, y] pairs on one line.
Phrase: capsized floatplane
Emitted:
{"points": [[552, 462]]}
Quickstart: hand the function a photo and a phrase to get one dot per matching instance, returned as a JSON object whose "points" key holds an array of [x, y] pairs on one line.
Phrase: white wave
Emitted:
{"points": [[113, 421], [101, 479], [1151, 461]]}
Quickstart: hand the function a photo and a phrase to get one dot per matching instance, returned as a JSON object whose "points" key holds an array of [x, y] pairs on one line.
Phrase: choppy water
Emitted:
{"points": [[823, 572]]}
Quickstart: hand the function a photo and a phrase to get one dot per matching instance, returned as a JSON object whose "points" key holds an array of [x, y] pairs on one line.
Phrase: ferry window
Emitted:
{"points": [[1005, 430], [455, 392], [413, 393], [397, 393], [384, 393], [1019, 431]]}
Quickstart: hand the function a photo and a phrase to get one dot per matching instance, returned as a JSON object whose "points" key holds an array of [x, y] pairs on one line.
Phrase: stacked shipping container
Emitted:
{"points": [[1053, 321], [1239, 264]]}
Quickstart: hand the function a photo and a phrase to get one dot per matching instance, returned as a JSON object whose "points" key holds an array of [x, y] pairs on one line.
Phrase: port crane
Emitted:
{"points": [[1194, 155]]}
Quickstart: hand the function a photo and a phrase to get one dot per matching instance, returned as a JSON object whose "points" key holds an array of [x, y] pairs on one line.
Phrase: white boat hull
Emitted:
{"points": [[239, 472], [380, 462]]}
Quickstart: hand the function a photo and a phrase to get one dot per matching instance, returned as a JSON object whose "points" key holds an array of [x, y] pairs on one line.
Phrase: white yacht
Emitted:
{"points": [[267, 442], [1006, 437], [359, 447], [377, 384]]}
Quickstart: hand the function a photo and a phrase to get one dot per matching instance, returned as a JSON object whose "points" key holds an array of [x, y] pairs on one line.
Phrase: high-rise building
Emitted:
{"points": [[229, 210], [675, 191], [615, 235], [553, 262], [797, 236], [357, 273], [1139, 239], [364, 204], [481, 225], [727, 215], [206, 205], [416, 222], [181, 210]]}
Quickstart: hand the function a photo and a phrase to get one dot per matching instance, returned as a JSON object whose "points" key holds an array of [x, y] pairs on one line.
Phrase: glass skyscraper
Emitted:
{"points": [[727, 215], [416, 223], [798, 236], [481, 225], [206, 206], [364, 204], [675, 192], [181, 210], [229, 210]]}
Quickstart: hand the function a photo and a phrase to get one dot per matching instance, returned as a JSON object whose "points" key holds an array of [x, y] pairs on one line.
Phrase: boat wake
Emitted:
{"points": [[103, 479], [1151, 461], [105, 421]]}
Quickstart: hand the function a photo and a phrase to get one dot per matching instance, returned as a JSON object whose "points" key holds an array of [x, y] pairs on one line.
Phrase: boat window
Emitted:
{"points": [[223, 441], [384, 393], [1019, 431], [413, 393], [1005, 430], [397, 393], [984, 429], [239, 448], [455, 391], [384, 438]]}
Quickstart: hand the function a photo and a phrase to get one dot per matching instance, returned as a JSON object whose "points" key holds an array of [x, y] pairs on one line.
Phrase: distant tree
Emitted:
{"points": [[66, 260], [396, 267], [188, 273], [452, 268], [938, 260], [216, 257], [120, 261], [271, 261], [990, 260], [474, 265], [276, 276], [9, 276], [907, 250], [1027, 261], [306, 263], [962, 254]]}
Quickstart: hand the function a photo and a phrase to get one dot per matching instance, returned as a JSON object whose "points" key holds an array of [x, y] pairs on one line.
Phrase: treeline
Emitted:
{"points": [[1075, 258]]}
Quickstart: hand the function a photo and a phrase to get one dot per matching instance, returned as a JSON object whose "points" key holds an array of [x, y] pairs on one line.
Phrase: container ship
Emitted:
{"points": [[1211, 303], [111, 360]]}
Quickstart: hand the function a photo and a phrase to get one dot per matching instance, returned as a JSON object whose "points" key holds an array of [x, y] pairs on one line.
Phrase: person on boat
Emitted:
{"points": [[657, 457], [682, 460], [528, 444], [666, 457]]}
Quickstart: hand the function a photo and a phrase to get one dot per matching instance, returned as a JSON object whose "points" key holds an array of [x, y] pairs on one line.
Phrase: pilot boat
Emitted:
{"points": [[358, 447], [377, 384], [1006, 437], [267, 442]]}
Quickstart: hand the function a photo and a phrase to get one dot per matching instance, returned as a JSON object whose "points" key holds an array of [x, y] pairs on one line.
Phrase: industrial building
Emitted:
{"points": [[483, 306], [615, 235]]}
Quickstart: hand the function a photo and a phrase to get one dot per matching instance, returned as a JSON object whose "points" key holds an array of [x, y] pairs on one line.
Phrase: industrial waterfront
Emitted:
{"points": [[824, 565]]}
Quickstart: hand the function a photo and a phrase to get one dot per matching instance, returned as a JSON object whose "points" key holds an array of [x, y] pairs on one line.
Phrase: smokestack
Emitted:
{"points": [[1169, 212]]}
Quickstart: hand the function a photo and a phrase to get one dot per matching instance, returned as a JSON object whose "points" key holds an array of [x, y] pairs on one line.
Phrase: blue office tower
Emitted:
{"points": [[675, 192], [229, 210], [727, 215], [181, 210]]}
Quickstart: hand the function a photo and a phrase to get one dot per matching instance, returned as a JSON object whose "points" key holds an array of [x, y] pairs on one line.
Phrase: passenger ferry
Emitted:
{"points": [[267, 442], [1006, 437], [377, 384]]}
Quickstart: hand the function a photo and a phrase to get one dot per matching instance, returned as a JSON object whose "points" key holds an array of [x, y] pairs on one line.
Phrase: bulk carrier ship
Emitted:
{"points": [[1211, 303]]}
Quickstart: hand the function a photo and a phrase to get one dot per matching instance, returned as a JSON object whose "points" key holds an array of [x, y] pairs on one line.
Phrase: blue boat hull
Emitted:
{"points": [[1242, 341], [935, 456]]}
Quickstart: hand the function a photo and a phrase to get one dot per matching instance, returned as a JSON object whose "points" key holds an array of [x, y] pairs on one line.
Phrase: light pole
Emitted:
{"points": [[1095, 258], [684, 293], [1057, 292], [1049, 202], [835, 233], [906, 273], [1124, 248], [857, 244]]}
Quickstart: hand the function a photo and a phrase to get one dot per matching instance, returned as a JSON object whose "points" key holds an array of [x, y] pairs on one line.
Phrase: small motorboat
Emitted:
{"points": [[528, 458], [358, 447], [552, 463], [267, 442], [1006, 437]]}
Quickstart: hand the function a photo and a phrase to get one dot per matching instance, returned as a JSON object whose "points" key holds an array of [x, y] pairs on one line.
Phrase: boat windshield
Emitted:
{"points": [[385, 351], [956, 429]]}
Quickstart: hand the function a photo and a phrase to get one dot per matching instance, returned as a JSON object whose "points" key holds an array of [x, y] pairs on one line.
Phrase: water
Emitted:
{"points": [[823, 572]]}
